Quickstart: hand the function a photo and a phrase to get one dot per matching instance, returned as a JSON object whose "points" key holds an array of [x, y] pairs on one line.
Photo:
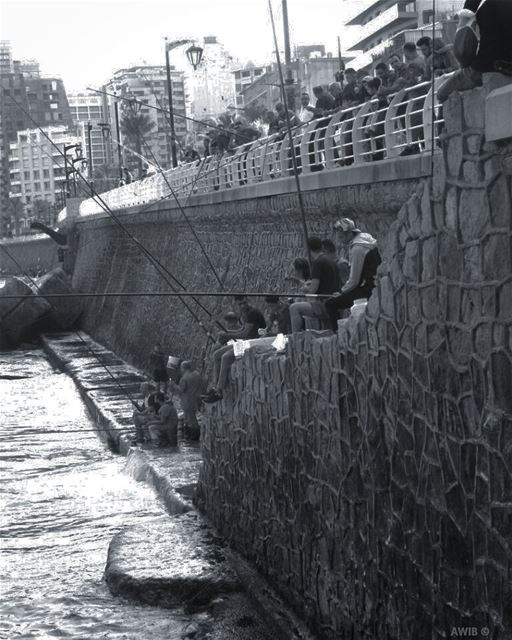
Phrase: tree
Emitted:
{"points": [[135, 126]]}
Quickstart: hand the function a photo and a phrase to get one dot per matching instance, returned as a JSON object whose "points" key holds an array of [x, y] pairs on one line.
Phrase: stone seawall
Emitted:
{"points": [[369, 475], [251, 243]]}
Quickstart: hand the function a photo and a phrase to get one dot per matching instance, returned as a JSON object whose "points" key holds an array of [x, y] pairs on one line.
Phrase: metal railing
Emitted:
{"points": [[402, 124]]}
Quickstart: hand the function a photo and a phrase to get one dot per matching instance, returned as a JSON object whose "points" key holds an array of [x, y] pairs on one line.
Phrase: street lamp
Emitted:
{"points": [[194, 55]]}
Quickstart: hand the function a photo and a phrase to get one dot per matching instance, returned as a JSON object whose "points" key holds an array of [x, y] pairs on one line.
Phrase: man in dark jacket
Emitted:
{"points": [[224, 357], [324, 280]]}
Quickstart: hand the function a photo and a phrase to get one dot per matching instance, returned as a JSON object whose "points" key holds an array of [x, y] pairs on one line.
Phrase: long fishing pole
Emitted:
{"points": [[182, 209], [290, 137], [156, 263], [175, 294], [176, 115]]}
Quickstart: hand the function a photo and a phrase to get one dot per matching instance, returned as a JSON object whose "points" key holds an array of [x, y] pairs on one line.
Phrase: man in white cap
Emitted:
{"points": [[364, 258]]}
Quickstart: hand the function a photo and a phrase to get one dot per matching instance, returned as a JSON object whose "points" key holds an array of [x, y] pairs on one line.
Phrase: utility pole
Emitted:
{"points": [[118, 138], [289, 81], [174, 155]]}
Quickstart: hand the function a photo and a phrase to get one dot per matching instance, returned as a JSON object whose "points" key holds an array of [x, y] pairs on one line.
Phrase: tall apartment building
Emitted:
{"points": [[6, 65], [48, 102], [87, 109], [211, 84], [148, 84], [380, 21], [36, 166]]}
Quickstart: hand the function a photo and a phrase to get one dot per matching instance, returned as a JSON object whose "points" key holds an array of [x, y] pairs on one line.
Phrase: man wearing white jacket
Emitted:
{"points": [[364, 258]]}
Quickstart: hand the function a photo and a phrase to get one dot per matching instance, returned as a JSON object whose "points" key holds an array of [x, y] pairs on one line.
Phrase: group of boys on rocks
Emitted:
{"points": [[331, 284]]}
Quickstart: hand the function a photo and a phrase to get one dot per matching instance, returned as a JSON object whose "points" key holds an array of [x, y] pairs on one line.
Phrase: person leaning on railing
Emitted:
{"points": [[494, 52]]}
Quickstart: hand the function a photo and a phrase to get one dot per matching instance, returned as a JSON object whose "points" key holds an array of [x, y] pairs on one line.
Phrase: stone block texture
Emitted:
{"points": [[368, 475]]}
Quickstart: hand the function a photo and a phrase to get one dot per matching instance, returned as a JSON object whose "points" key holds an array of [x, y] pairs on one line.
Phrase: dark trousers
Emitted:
{"points": [[345, 301]]}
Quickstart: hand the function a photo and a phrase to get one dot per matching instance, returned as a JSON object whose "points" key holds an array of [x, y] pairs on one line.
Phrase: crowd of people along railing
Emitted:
{"points": [[402, 125]]}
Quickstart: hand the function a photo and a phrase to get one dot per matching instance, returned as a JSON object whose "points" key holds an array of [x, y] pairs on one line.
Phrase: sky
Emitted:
{"points": [[84, 41]]}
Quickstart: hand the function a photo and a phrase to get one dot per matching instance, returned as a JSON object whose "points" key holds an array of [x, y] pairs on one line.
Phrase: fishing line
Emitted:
{"points": [[88, 347], [156, 263]]}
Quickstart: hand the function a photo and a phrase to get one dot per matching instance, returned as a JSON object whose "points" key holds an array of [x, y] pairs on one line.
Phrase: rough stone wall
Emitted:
{"points": [[369, 475], [34, 255], [251, 243]]}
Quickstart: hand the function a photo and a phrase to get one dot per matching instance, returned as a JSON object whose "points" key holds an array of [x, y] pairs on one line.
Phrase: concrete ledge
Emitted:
{"points": [[169, 562], [172, 472]]}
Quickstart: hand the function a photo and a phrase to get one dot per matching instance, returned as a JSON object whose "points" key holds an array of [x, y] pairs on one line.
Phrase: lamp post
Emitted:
{"points": [[194, 55]]}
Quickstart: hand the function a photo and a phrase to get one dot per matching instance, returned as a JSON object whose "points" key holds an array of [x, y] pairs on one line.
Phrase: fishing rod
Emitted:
{"points": [[209, 336], [88, 347], [175, 294], [176, 115], [154, 261], [182, 209], [290, 137], [166, 113]]}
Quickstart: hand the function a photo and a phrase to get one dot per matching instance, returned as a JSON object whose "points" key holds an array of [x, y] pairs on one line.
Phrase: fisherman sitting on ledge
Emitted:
{"points": [[364, 258], [224, 356]]}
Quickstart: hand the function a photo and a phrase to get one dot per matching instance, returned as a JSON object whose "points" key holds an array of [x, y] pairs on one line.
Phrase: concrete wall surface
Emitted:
{"points": [[369, 475], [34, 254]]}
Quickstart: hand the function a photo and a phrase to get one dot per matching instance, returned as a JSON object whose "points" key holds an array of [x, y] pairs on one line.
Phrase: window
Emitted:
{"points": [[54, 85], [46, 173], [47, 186], [54, 105], [36, 175], [23, 138], [37, 186], [27, 199], [47, 116]]}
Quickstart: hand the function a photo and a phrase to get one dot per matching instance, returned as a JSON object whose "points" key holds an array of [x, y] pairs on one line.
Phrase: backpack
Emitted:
{"points": [[465, 44]]}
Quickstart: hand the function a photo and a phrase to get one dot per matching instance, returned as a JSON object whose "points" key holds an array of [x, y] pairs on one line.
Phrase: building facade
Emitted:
{"points": [[148, 85], [211, 84], [89, 119], [36, 167], [246, 76], [379, 22]]}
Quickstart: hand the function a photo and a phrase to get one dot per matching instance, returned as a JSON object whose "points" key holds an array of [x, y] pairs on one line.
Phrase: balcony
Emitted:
{"points": [[386, 24]]}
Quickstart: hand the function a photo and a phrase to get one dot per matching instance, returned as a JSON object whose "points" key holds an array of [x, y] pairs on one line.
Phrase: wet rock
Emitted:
{"points": [[170, 562], [64, 311], [17, 316]]}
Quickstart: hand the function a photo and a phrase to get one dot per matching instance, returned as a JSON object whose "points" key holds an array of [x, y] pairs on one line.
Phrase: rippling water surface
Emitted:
{"points": [[62, 498]]}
